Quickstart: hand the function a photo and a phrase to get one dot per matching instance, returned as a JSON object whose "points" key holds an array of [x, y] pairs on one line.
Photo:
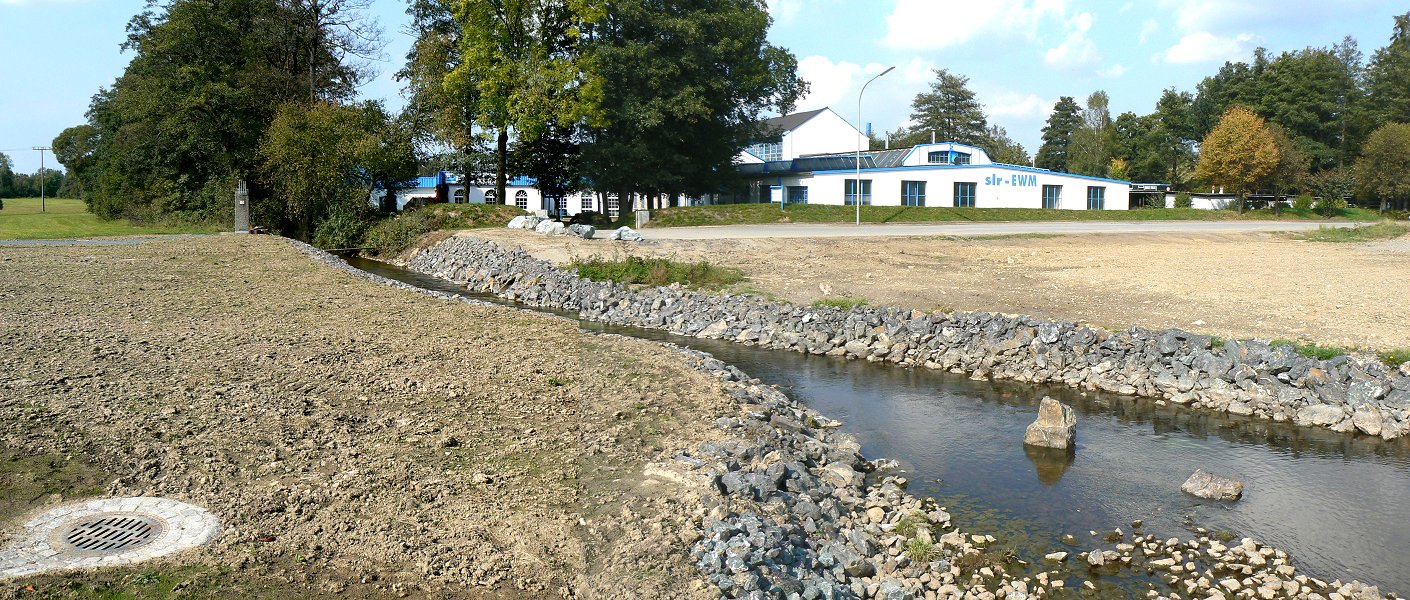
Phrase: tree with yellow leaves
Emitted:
{"points": [[1237, 153]]}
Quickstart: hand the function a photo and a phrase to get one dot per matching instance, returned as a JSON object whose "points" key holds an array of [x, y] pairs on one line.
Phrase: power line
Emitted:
{"points": [[42, 150]]}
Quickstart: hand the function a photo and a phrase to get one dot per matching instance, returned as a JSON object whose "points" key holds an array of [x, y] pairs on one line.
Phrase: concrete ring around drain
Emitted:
{"points": [[105, 532]]}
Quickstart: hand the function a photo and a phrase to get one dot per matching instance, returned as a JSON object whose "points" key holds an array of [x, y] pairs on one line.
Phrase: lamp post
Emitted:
{"points": [[42, 150], [857, 190]]}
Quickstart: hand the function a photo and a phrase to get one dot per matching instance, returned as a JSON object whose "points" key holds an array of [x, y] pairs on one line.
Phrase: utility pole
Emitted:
{"points": [[42, 150]]}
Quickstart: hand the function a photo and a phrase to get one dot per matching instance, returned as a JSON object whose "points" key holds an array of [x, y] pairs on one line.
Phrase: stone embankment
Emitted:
{"points": [[1247, 377]]}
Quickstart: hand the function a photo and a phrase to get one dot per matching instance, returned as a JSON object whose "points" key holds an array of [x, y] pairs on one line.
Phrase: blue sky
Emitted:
{"points": [[1020, 56]]}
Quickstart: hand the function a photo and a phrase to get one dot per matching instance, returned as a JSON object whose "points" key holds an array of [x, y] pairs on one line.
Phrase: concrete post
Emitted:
{"points": [[642, 216], [242, 208]]}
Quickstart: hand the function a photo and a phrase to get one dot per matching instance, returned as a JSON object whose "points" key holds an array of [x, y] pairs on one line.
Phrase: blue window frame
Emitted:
{"points": [[1096, 198], [960, 158], [939, 157], [797, 194], [850, 192], [912, 193], [964, 194], [1052, 195]]}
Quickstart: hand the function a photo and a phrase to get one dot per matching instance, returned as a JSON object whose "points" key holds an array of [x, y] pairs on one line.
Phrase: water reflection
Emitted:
{"points": [[1049, 463]]}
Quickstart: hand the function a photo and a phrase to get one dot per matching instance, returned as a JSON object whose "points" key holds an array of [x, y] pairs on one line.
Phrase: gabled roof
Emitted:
{"points": [[788, 123]]}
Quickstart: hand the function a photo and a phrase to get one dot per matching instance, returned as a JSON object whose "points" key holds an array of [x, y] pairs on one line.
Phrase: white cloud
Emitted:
{"points": [[784, 11], [1149, 28], [931, 25], [1018, 106], [829, 83], [1112, 72], [1076, 52], [1204, 47]]}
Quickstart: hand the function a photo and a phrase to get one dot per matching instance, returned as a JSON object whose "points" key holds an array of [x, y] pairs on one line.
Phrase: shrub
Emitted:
{"points": [[657, 271], [395, 234], [1329, 206], [343, 229], [1303, 203]]}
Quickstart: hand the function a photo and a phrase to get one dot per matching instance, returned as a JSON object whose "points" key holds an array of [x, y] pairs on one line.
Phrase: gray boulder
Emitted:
{"points": [[518, 222], [1204, 484], [550, 227], [583, 231], [1056, 426], [626, 234]]}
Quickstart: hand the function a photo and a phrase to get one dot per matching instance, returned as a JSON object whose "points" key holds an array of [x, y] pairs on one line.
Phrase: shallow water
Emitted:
{"points": [[1340, 505]]}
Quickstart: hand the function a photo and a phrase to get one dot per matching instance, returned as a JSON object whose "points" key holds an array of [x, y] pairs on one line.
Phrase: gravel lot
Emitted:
{"points": [[1245, 285], [353, 438]]}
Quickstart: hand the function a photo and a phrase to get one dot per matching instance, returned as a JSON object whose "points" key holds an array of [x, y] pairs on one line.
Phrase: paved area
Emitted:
{"points": [[186, 526], [811, 230]]}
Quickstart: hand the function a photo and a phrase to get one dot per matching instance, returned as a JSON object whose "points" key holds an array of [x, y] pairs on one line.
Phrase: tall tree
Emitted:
{"points": [[1388, 76], [7, 176], [950, 110], [1091, 149], [1236, 84], [524, 62], [1004, 149], [1238, 153], [1308, 92], [442, 118], [1383, 170], [1064, 121], [691, 80], [1290, 174]]}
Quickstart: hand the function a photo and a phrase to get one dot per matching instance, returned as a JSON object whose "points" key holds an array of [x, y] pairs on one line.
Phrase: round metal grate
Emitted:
{"points": [[111, 533]]}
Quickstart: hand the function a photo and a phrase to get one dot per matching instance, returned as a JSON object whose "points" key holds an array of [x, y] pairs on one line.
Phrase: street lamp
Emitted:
{"points": [[857, 195]]}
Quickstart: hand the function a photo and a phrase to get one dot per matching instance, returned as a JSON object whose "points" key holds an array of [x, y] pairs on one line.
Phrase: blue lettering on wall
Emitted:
{"points": [[1013, 180]]}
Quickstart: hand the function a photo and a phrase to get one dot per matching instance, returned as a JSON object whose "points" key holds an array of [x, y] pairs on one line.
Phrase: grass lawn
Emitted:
{"points": [[737, 214], [1385, 230], [21, 219], [658, 271]]}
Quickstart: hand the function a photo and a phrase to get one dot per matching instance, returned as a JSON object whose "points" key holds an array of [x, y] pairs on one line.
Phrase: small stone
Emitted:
{"points": [[1204, 484]]}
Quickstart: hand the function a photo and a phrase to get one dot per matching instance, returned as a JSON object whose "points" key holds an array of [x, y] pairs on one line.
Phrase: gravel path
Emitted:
{"points": [[814, 230]]}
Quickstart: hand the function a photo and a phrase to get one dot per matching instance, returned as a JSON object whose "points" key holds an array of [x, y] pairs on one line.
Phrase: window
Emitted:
{"points": [[964, 194], [912, 193], [850, 192], [939, 157], [459, 196], [768, 150], [1096, 198], [587, 202], [797, 194], [612, 204], [960, 158], [490, 197], [521, 200], [1051, 195]]}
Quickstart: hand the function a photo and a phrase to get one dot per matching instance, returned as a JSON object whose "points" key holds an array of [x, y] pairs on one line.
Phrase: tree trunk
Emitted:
{"points": [[501, 163], [1241, 203]]}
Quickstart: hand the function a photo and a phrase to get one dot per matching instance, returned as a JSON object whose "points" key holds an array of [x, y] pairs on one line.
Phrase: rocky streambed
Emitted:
{"points": [[1241, 377]]}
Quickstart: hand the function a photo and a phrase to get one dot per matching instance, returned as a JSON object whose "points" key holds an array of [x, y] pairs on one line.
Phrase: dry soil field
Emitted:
{"points": [[1249, 285], [352, 437]]}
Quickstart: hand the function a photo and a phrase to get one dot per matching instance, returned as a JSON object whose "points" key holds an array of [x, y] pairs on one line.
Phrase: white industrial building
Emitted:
{"points": [[810, 162], [810, 158]]}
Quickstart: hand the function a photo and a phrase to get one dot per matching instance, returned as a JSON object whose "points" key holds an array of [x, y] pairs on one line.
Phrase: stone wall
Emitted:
{"points": [[1246, 377]]}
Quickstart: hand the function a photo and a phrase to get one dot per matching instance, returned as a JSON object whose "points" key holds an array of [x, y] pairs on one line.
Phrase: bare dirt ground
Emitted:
{"points": [[1246, 285], [353, 438]]}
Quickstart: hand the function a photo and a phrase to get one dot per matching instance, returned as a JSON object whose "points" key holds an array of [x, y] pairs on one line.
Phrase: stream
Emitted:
{"points": [[1340, 505]]}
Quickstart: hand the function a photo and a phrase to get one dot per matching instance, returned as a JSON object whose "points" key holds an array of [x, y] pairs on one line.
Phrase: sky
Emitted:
{"points": [[1020, 55]]}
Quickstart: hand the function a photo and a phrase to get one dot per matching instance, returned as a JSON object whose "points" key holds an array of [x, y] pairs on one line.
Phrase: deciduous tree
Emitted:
{"points": [[1092, 143], [1238, 153], [1004, 149], [1383, 170]]}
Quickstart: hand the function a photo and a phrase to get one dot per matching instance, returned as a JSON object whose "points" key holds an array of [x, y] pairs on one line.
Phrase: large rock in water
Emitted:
{"points": [[1056, 427], [1208, 485]]}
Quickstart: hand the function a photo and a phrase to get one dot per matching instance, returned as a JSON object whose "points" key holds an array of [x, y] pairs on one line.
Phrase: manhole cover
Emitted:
{"points": [[105, 532], [110, 533]]}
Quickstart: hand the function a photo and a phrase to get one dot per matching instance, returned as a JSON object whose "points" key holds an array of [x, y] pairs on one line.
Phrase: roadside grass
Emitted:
{"points": [[1395, 356], [1384, 230], [1392, 357], [392, 235], [657, 271], [741, 214], [842, 302], [21, 219]]}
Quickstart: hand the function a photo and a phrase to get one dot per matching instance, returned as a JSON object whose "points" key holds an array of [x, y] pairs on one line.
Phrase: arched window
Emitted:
{"points": [[521, 199], [490, 197], [459, 196]]}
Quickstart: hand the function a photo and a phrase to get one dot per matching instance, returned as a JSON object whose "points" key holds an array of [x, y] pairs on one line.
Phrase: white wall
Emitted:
{"points": [[825, 133], [995, 187], [920, 155]]}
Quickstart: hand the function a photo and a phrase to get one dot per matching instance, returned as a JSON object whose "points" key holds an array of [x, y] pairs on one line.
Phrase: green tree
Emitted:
{"points": [[7, 177], [1290, 174], [1388, 77], [1238, 153], [1383, 170], [1236, 84], [1309, 93], [74, 148], [1002, 148], [327, 158], [1333, 186], [1064, 121], [441, 117], [950, 110], [1092, 144], [690, 83]]}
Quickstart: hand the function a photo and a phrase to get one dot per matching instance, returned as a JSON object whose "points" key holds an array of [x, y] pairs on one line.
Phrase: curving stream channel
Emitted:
{"points": [[1340, 505]]}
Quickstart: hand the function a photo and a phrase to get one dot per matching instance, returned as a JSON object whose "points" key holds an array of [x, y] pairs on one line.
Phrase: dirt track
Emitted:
{"points": [[1234, 285], [353, 438]]}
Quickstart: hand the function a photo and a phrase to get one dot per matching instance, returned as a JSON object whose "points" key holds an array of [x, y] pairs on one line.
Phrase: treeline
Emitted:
{"points": [[635, 96], [1323, 120], [20, 185]]}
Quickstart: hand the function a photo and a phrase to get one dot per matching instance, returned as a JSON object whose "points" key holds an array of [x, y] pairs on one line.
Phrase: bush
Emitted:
{"points": [[1184, 200], [395, 234], [1329, 206], [343, 229], [1303, 203]]}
